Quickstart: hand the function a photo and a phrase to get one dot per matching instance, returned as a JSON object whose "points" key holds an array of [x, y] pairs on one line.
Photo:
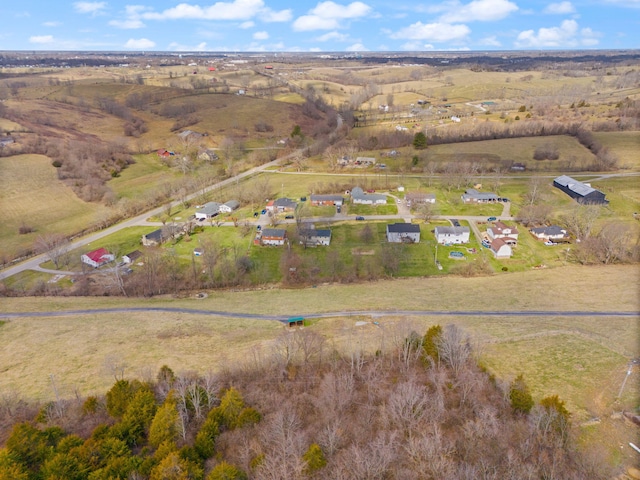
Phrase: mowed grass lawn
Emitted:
{"points": [[31, 194], [581, 359]]}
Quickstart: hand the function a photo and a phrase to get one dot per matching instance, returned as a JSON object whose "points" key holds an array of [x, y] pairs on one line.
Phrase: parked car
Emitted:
{"points": [[455, 222], [491, 219], [359, 218], [338, 209], [264, 211], [256, 214], [288, 217]]}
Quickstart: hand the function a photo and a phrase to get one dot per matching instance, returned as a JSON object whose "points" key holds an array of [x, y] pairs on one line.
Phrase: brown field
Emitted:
{"points": [[581, 359], [51, 206]]}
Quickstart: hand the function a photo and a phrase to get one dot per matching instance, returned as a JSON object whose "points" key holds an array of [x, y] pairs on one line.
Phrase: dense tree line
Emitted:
{"points": [[421, 407]]}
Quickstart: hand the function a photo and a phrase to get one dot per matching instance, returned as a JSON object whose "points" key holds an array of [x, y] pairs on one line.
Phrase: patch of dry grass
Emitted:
{"points": [[31, 194], [581, 359]]}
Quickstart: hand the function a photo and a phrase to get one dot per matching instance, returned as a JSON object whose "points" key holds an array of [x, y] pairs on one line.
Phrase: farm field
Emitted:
{"points": [[573, 357], [53, 207]]}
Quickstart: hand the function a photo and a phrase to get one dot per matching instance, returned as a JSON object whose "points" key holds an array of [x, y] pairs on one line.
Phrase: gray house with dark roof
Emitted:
{"points": [[403, 233], [359, 196], [452, 235], [583, 193], [474, 196], [209, 210]]}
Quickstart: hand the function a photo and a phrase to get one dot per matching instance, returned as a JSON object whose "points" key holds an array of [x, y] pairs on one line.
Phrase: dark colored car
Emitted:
{"points": [[455, 222], [289, 217], [359, 218], [491, 219], [264, 211]]}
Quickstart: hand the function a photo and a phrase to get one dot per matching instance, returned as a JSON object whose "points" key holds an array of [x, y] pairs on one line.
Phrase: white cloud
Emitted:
{"points": [[129, 24], [490, 41], [416, 46], [201, 47], [94, 8], [335, 36], [357, 47], [561, 8], [328, 16], [270, 16], [247, 24], [433, 32], [140, 44], [313, 22], [566, 35], [260, 36], [477, 11], [52, 24], [234, 10], [41, 39]]}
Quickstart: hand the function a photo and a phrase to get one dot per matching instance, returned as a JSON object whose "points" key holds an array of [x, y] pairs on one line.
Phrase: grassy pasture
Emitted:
{"points": [[49, 205], [625, 145], [581, 359]]}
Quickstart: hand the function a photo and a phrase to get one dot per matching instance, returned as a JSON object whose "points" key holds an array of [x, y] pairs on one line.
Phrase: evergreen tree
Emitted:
{"points": [[226, 471], [520, 396], [314, 458], [420, 141], [164, 426], [430, 344]]}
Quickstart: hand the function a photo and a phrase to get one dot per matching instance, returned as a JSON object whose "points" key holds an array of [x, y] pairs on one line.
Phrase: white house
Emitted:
{"points": [[209, 210], [501, 230], [474, 196], [358, 196], [452, 235], [553, 232], [97, 257], [314, 237], [501, 249], [229, 206], [273, 236], [403, 233], [419, 198]]}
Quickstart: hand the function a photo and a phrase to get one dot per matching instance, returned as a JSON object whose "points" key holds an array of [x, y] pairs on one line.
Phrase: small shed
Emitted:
{"points": [[295, 321]]}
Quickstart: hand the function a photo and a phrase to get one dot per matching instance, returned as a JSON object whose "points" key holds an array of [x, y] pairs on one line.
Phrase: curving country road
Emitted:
{"points": [[343, 313]]}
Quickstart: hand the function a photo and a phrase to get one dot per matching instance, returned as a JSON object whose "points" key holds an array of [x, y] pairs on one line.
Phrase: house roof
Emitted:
{"points": [[497, 244], [403, 228], [326, 197], [156, 235], [97, 255], [452, 230], [580, 188], [358, 193], [499, 227], [209, 208], [419, 195], [274, 232], [317, 233], [284, 202], [551, 230], [232, 204], [134, 255], [473, 193]]}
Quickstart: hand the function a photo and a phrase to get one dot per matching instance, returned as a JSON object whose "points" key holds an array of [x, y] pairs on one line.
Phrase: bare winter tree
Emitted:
{"points": [[581, 219], [454, 348], [54, 245]]}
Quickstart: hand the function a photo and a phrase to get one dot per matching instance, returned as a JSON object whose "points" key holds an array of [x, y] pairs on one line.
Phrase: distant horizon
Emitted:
{"points": [[343, 53], [322, 27]]}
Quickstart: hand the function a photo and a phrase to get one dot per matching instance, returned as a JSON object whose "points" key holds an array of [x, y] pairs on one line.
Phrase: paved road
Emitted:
{"points": [[343, 313]]}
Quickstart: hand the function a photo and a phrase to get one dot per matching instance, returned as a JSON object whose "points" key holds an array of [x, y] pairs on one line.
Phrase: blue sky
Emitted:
{"points": [[324, 26]]}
